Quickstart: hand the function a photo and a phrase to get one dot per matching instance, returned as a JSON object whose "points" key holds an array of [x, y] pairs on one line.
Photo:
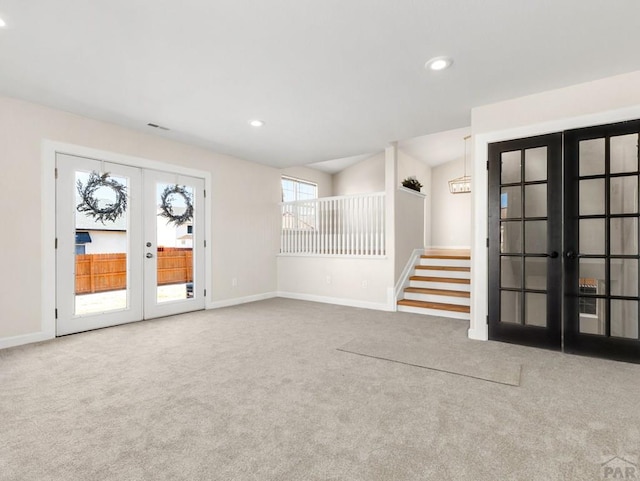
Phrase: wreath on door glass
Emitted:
{"points": [[96, 208], [166, 205]]}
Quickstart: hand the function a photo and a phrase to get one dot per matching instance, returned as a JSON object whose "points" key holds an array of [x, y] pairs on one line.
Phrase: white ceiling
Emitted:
{"points": [[331, 78]]}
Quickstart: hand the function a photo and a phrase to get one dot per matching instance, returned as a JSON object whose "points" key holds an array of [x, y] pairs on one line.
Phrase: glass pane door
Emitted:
{"points": [[99, 278], [601, 235], [525, 241], [174, 244], [130, 244]]}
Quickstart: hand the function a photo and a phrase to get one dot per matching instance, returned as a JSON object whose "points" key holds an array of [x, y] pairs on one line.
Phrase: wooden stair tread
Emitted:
{"points": [[437, 292], [434, 305], [446, 256], [440, 279], [445, 268]]}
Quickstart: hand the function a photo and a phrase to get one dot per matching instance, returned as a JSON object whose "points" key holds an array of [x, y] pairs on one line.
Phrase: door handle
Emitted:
{"points": [[553, 255], [149, 255], [571, 255]]}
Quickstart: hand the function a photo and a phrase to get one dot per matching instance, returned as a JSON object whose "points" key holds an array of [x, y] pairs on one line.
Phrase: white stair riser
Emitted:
{"points": [[435, 312], [445, 262], [437, 273], [441, 285], [459, 301]]}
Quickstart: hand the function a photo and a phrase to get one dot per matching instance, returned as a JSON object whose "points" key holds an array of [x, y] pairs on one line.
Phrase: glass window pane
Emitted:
{"points": [[591, 310], [624, 153], [624, 319], [624, 236], [592, 157], [511, 167], [535, 200], [594, 271], [101, 263], [624, 277], [510, 307], [535, 273], [591, 197], [535, 237], [511, 202], [535, 164], [624, 195], [511, 237], [591, 236], [176, 206], [511, 272], [535, 309], [293, 190]]}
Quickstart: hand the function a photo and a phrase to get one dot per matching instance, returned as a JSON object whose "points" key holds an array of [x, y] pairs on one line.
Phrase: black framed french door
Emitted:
{"points": [[580, 201], [525, 241], [602, 177]]}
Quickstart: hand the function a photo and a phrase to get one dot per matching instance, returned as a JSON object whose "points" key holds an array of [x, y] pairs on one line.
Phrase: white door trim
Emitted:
{"points": [[48, 220], [478, 328]]}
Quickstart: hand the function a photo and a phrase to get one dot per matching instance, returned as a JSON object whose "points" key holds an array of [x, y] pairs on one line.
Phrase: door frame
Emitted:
{"points": [[48, 217], [478, 327], [549, 337], [575, 342]]}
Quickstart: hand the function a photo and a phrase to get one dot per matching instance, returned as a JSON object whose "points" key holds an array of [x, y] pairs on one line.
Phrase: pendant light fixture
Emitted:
{"points": [[462, 185]]}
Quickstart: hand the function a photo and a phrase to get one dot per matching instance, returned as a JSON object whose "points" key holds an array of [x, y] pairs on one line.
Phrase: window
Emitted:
{"points": [[299, 216], [588, 305], [296, 189]]}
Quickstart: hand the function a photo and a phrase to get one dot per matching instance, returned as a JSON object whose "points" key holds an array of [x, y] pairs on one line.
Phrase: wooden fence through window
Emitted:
{"points": [[108, 272]]}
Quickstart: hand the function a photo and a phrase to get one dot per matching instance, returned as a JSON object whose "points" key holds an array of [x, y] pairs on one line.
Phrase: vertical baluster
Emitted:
{"points": [[334, 226], [352, 233], [367, 212], [319, 225], [306, 228], [376, 225], [316, 225], [383, 225]]}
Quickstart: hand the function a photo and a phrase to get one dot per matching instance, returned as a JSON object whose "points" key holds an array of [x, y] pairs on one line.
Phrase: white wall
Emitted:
{"points": [[409, 166], [450, 213], [409, 226], [348, 281], [603, 101], [363, 177], [322, 179], [245, 197]]}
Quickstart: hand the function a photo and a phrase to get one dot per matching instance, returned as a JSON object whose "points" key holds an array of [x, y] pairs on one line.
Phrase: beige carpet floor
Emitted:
{"points": [[431, 354], [261, 392]]}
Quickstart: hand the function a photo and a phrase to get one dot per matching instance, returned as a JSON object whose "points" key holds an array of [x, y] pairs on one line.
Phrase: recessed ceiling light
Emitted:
{"points": [[256, 123], [438, 63], [2, 23]]}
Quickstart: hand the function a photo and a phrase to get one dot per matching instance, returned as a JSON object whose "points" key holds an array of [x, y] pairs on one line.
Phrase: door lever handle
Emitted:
{"points": [[571, 255], [553, 255]]}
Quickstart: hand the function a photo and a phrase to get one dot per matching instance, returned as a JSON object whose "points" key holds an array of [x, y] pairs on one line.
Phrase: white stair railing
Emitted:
{"points": [[351, 225]]}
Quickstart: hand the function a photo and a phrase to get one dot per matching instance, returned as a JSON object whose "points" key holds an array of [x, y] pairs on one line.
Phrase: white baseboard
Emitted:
{"points": [[378, 306], [448, 247], [478, 334], [241, 300], [14, 341]]}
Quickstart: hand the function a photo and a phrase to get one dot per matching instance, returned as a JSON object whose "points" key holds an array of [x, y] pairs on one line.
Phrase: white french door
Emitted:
{"points": [[129, 244]]}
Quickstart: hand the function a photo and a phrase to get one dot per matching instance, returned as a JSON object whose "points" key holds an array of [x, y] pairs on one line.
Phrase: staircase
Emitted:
{"points": [[440, 285]]}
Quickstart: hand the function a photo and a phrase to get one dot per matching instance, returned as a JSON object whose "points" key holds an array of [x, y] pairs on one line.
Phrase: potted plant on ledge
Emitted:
{"points": [[412, 183]]}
